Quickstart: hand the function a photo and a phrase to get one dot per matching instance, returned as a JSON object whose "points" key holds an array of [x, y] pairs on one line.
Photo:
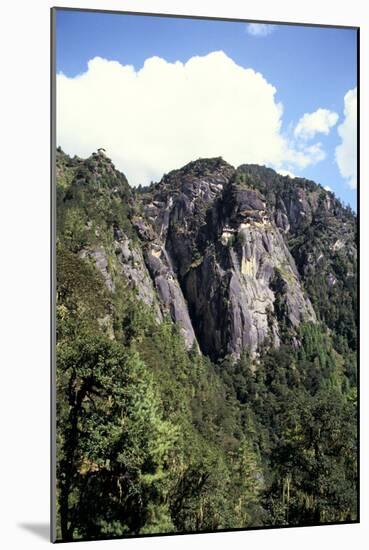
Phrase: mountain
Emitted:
{"points": [[234, 290], [235, 257]]}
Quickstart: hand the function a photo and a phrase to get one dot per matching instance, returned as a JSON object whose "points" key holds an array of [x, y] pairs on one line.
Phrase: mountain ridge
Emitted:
{"points": [[206, 371], [218, 246]]}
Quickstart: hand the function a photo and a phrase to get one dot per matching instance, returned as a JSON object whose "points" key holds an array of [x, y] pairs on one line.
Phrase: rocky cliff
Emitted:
{"points": [[229, 254]]}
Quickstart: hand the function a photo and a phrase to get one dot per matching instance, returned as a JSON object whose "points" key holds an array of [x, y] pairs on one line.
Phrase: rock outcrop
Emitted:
{"points": [[230, 255], [218, 240]]}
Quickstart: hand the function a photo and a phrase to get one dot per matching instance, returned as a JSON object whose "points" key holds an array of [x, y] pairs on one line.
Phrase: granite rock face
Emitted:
{"points": [[132, 265], [321, 234], [215, 257], [169, 291], [232, 256]]}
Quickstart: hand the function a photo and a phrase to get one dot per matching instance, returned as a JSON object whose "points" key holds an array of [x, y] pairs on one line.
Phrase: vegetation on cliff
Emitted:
{"points": [[154, 435]]}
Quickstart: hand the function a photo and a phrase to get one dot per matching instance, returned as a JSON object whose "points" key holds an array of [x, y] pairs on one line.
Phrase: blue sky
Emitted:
{"points": [[311, 68]]}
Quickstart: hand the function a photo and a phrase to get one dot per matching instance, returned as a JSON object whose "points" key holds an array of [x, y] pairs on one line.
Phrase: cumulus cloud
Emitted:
{"points": [[346, 152], [164, 115], [310, 124], [315, 153], [327, 188], [259, 29]]}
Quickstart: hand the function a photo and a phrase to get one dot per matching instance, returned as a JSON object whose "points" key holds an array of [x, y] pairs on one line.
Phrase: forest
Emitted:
{"points": [[155, 434]]}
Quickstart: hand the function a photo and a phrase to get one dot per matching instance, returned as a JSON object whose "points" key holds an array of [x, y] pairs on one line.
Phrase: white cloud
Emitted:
{"points": [[321, 121], [259, 29], [315, 153], [346, 152], [163, 116], [327, 188]]}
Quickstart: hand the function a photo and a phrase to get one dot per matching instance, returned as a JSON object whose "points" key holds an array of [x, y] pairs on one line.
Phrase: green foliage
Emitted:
{"points": [[81, 295], [152, 438], [299, 410], [114, 444]]}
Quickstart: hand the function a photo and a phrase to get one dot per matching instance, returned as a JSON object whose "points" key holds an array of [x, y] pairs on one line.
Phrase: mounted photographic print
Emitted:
{"points": [[204, 230]]}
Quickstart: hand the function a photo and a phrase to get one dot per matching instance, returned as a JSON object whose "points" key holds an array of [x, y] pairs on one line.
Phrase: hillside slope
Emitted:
{"points": [[206, 350]]}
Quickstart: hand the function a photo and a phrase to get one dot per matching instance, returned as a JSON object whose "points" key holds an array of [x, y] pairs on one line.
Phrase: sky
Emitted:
{"points": [[158, 92]]}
